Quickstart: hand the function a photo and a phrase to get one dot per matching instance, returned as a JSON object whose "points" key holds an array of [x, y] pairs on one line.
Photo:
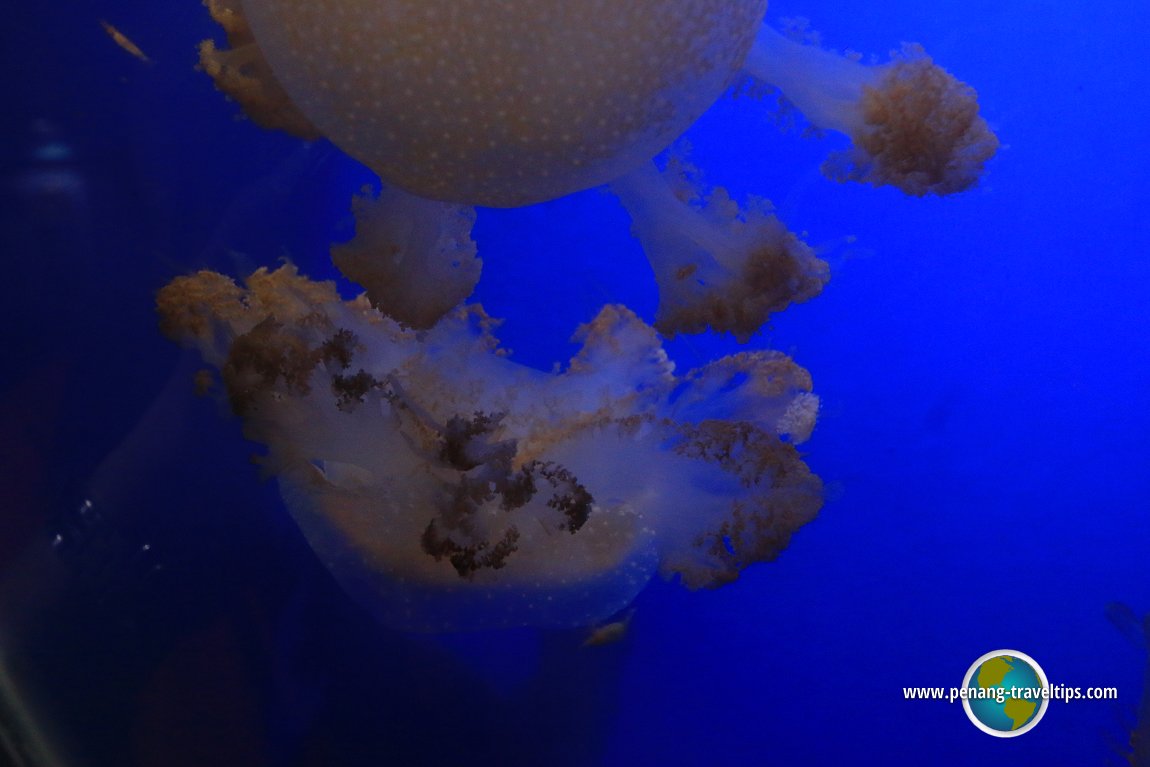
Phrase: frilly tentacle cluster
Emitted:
{"points": [[414, 257], [913, 125], [719, 265], [923, 131], [243, 73]]}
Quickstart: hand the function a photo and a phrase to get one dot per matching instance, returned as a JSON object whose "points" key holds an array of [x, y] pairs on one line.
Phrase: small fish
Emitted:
{"points": [[609, 633], [120, 39]]}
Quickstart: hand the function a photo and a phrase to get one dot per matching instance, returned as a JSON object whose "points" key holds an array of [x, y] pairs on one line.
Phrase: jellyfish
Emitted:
{"points": [[444, 484], [450, 487]]}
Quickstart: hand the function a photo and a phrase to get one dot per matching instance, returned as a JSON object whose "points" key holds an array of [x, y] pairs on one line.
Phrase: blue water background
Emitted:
{"points": [[982, 362]]}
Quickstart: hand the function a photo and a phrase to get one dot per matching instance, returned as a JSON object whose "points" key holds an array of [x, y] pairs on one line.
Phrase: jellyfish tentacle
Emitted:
{"points": [[414, 257], [912, 124], [718, 265], [243, 73]]}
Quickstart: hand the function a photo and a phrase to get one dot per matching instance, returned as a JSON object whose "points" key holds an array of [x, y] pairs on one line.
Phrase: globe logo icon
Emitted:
{"points": [[1005, 693]]}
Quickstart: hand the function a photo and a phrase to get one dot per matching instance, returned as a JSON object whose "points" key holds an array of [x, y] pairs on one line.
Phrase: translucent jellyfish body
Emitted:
{"points": [[449, 487], [507, 103]]}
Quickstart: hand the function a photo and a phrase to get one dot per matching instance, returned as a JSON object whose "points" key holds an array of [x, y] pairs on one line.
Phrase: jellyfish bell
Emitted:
{"points": [[502, 104]]}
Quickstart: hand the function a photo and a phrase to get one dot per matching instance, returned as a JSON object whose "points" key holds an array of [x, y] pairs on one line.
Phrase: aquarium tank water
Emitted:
{"points": [[528, 382]]}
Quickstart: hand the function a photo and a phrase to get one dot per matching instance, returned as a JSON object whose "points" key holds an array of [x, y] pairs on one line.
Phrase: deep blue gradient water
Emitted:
{"points": [[982, 362]]}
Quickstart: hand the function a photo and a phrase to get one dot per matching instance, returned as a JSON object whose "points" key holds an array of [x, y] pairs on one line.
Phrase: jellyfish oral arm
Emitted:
{"points": [[912, 124], [718, 265], [826, 87], [414, 257]]}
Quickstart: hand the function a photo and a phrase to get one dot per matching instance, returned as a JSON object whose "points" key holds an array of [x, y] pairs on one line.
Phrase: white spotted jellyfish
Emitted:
{"points": [[445, 485]]}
